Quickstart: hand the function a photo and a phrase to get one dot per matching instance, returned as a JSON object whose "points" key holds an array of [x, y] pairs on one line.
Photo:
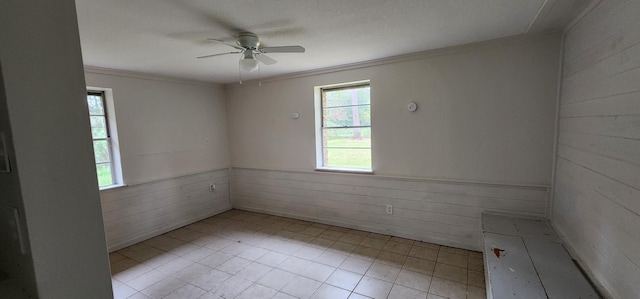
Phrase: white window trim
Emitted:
{"points": [[317, 100], [114, 143]]}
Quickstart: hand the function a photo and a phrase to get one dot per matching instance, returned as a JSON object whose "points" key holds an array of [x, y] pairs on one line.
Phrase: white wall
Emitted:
{"points": [[486, 113], [485, 121], [166, 128], [597, 187], [173, 144], [47, 109]]}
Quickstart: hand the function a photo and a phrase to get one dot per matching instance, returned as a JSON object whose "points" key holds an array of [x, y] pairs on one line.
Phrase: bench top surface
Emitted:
{"points": [[525, 258]]}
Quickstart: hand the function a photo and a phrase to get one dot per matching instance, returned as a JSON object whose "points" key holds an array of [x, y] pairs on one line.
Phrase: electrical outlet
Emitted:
{"points": [[212, 187], [389, 209]]}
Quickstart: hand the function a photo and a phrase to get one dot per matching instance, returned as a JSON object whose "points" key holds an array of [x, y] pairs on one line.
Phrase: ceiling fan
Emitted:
{"points": [[248, 44]]}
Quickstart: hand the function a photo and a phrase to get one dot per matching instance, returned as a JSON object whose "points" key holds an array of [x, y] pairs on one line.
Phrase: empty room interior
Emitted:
{"points": [[320, 149]]}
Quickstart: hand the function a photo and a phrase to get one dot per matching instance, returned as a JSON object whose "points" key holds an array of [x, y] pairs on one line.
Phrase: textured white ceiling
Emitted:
{"points": [[163, 37]]}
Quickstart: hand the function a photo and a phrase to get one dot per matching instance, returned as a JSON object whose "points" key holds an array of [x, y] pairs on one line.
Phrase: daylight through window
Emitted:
{"points": [[346, 127], [101, 141]]}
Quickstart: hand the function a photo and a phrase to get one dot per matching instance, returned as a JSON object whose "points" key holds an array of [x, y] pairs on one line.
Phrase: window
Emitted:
{"points": [[344, 129], [108, 170]]}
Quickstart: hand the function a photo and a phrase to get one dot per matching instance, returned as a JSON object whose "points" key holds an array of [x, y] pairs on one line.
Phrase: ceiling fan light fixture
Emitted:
{"points": [[248, 63]]}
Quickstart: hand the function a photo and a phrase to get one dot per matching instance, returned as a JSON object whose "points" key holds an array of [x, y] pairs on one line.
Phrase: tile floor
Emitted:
{"points": [[241, 254]]}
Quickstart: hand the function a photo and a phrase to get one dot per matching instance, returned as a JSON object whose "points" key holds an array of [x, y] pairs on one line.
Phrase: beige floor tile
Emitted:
{"points": [[217, 243], [175, 265], [476, 264], [126, 270], [115, 257], [476, 279], [295, 265], [402, 292], [475, 254], [198, 254], [317, 271], [191, 272], [257, 291], [252, 255], [367, 253], [138, 295], [313, 231], [425, 253], [450, 272], [308, 252], [187, 291], [397, 247], [427, 245], [231, 287], [373, 287], [301, 287], [272, 259], [321, 243], [358, 296], [447, 288], [356, 265], [453, 259], [330, 258], [414, 280], [391, 258], [326, 291], [163, 287], [402, 240], [379, 236], [276, 279], [281, 295], [476, 293], [383, 271], [234, 265], [146, 280], [419, 265], [339, 228], [344, 279], [123, 291], [373, 242], [432, 296], [332, 235], [320, 225], [352, 238], [254, 271], [341, 247], [210, 280], [141, 251], [215, 259], [454, 250]]}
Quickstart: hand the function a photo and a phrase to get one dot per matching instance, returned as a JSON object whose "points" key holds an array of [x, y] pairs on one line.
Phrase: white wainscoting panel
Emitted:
{"points": [[135, 213], [446, 213], [596, 203]]}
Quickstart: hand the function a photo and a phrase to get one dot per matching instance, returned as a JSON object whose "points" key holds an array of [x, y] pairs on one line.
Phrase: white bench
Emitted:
{"points": [[525, 258]]}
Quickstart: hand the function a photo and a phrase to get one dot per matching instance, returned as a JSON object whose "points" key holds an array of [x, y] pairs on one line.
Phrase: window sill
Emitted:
{"points": [[111, 187], [345, 170]]}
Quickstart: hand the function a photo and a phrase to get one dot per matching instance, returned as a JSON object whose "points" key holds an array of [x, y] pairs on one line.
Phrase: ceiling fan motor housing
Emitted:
{"points": [[248, 40]]}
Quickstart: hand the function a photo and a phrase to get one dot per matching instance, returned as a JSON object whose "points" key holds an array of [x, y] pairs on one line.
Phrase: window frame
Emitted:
{"points": [[319, 94], [115, 166]]}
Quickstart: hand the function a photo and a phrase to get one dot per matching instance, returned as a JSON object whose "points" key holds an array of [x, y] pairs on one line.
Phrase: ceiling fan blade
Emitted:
{"points": [[282, 49], [265, 59], [226, 43], [219, 54]]}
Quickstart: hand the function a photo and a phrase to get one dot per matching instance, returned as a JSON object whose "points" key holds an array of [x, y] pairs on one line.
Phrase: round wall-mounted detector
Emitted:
{"points": [[412, 106], [295, 115]]}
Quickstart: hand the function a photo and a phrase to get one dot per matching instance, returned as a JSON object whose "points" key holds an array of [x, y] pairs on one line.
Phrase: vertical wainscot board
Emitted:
{"points": [[136, 213], [446, 213]]}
